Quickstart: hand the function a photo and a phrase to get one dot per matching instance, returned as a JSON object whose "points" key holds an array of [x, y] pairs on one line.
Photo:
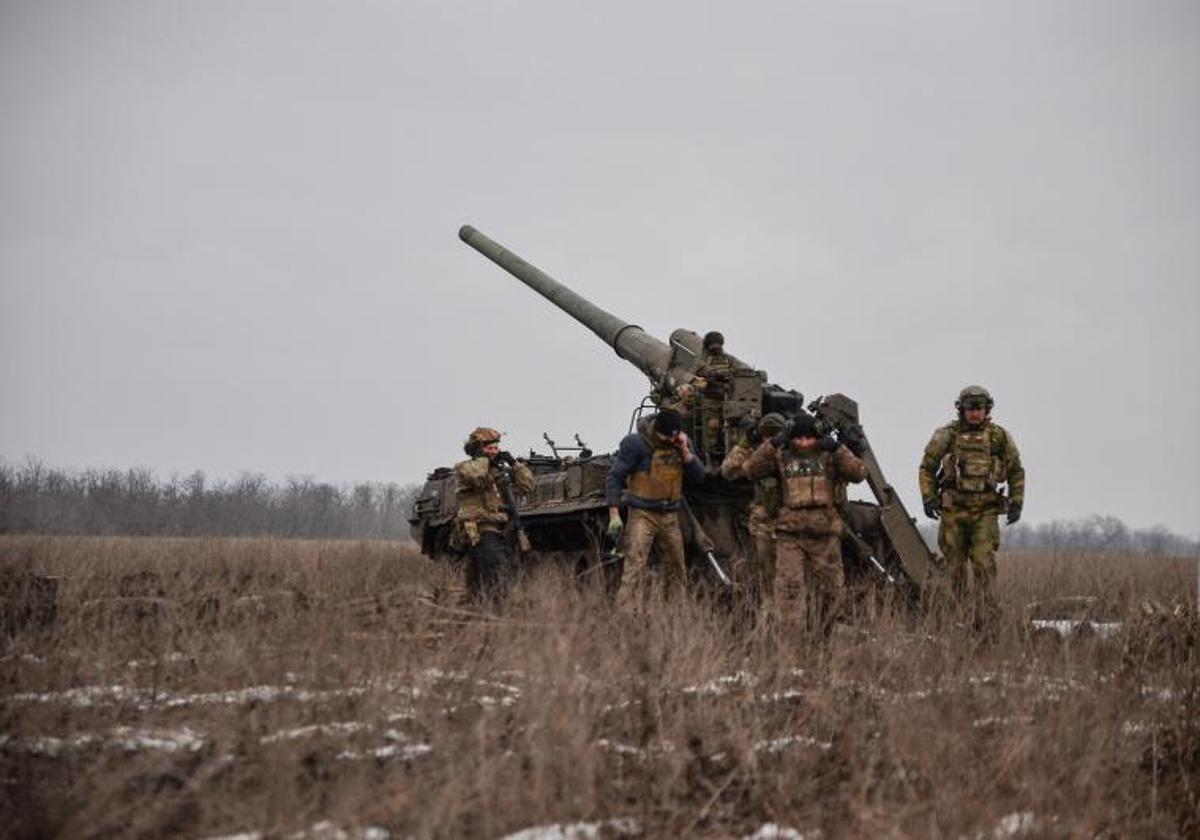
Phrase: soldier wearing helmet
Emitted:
{"points": [[963, 475], [713, 380], [812, 470], [758, 571], [480, 525]]}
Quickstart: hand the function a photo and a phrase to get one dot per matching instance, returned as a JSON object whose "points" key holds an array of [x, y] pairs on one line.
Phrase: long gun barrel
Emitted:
{"points": [[651, 356]]}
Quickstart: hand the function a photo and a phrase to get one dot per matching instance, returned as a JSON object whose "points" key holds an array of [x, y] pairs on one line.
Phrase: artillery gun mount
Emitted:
{"points": [[566, 515]]}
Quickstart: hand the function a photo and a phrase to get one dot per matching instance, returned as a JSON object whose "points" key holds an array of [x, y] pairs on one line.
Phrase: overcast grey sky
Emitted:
{"points": [[228, 230]]}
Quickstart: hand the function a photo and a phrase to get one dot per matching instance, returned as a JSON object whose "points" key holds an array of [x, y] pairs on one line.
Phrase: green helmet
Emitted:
{"points": [[974, 396], [771, 424]]}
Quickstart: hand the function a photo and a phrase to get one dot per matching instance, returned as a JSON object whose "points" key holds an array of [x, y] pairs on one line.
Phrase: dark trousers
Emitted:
{"points": [[490, 567]]}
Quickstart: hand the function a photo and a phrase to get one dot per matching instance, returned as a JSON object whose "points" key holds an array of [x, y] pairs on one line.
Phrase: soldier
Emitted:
{"points": [[961, 474], [765, 507], [651, 466], [713, 380], [483, 516], [812, 473]]}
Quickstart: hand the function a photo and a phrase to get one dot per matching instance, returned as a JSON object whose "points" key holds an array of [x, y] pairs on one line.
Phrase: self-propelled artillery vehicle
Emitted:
{"points": [[565, 517]]}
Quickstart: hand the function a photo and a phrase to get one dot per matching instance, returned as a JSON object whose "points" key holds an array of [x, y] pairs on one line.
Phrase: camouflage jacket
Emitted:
{"points": [[478, 494], [968, 465], [716, 373], [839, 466], [766, 489], [732, 466]]}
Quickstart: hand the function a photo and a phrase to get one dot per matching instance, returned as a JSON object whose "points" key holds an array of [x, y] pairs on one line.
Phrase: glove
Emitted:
{"points": [[933, 507], [1014, 513], [615, 526], [828, 444], [506, 458]]}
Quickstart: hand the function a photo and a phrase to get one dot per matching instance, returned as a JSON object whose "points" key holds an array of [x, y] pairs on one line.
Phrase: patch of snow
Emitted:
{"points": [[1065, 627], [337, 728], [1016, 824], [326, 830], [623, 826], [780, 744], [1136, 727], [85, 696], [165, 740], [145, 698], [52, 747], [721, 685], [771, 831], [1000, 721], [439, 674], [630, 750], [405, 753], [125, 738], [1166, 695]]}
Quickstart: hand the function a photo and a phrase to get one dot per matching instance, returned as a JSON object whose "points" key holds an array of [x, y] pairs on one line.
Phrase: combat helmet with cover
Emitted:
{"points": [[771, 424], [479, 438], [974, 396]]}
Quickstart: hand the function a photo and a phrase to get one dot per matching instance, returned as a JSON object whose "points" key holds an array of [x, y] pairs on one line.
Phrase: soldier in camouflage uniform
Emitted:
{"points": [[713, 380], [648, 474], [961, 477], [481, 523], [812, 472], [758, 574]]}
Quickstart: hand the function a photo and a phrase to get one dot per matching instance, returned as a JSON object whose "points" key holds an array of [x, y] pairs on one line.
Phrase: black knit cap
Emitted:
{"points": [[667, 422], [804, 425], [714, 337]]}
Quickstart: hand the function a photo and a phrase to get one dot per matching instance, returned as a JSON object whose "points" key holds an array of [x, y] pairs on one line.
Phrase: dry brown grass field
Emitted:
{"points": [[335, 689]]}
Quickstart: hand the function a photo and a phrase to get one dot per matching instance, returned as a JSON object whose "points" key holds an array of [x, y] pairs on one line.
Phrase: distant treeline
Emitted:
{"points": [[35, 498], [1091, 534], [38, 499]]}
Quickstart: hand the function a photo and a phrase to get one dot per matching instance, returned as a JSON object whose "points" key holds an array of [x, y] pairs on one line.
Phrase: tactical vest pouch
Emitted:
{"points": [[464, 535], [804, 491], [999, 472], [663, 482], [766, 493], [972, 462], [806, 481]]}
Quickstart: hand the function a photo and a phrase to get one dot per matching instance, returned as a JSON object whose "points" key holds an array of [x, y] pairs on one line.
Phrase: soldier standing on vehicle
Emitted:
{"points": [[714, 379], [651, 468], [961, 477], [759, 572], [812, 472], [483, 525]]}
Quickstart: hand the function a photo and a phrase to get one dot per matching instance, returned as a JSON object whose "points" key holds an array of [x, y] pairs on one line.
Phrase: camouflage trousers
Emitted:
{"points": [[968, 539], [754, 573], [649, 531], [758, 574], [811, 579]]}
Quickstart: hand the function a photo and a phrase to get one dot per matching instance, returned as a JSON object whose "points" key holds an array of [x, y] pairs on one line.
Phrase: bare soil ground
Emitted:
{"points": [[336, 689]]}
